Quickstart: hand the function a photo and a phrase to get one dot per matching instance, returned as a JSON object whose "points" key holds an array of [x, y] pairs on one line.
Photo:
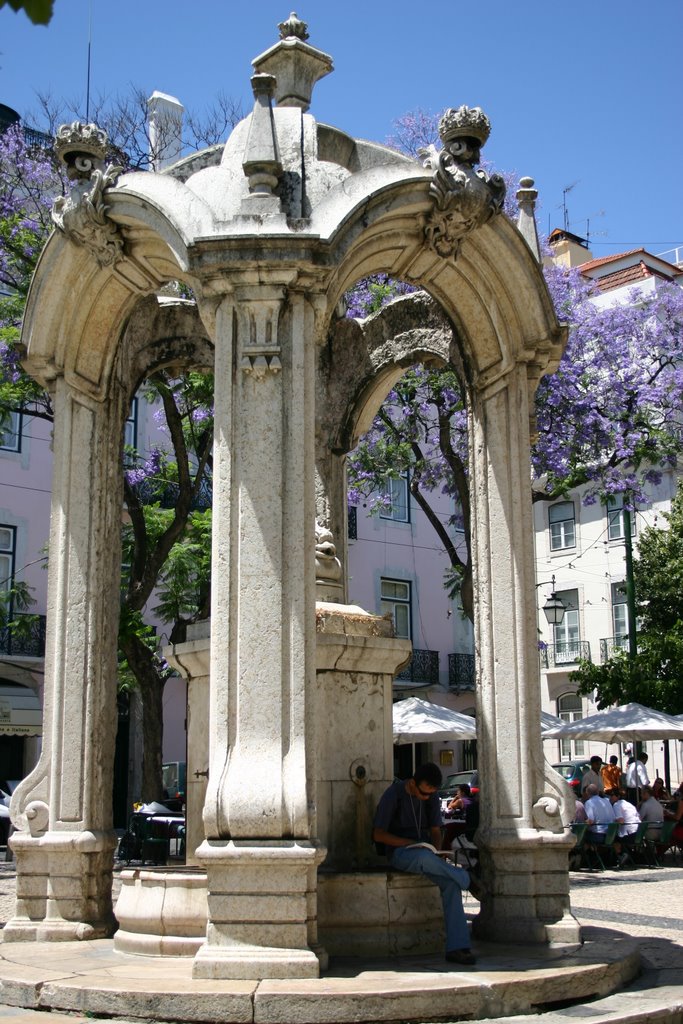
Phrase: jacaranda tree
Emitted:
{"points": [[610, 420], [166, 515]]}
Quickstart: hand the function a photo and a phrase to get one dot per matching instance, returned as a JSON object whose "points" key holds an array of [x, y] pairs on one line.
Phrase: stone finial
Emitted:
{"points": [[296, 65], [83, 215], [463, 198], [293, 28], [526, 219], [328, 570], [261, 162]]}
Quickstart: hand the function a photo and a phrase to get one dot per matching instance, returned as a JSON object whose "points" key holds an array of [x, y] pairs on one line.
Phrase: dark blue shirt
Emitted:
{"points": [[407, 816]]}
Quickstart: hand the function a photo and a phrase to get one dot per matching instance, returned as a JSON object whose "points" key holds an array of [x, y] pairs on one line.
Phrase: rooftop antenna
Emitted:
{"points": [[596, 213], [87, 82], [565, 191]]}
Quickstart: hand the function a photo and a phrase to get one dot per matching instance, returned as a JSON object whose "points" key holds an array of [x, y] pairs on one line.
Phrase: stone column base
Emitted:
{"points": [[63, 887], [262, 909], [525, 896]]}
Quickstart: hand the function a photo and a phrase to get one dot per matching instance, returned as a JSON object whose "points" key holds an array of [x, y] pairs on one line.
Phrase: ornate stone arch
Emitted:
{"points": [[60, 802]]}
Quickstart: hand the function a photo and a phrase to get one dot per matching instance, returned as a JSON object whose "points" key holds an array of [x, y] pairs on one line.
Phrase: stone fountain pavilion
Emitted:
{"points": [[293, 687]]}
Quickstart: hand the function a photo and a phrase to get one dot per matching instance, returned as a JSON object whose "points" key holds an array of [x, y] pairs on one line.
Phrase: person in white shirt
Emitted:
{"points": [[629, 819], [592, 777], [636, 777], [652, 811], [599, 814]]}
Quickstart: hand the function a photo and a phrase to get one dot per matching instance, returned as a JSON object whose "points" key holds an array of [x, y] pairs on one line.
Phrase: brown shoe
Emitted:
{"points": [[461, 956]]}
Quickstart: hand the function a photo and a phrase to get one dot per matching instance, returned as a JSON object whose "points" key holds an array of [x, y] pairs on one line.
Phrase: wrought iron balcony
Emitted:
{"points": [[612, 645], [567, 653], [23, 636], [461, 671], [423, 667]]}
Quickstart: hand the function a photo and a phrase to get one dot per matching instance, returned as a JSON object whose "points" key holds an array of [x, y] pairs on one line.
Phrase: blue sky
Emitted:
{"points": [[582, 94]]}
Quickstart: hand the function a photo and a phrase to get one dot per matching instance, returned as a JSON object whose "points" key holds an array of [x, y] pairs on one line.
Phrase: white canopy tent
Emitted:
{"points": [[623, 724], [417, 721], [549, 721]]}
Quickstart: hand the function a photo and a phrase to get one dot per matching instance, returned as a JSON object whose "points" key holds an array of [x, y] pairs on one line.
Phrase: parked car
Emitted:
{"points": [[174, 781], [572, 772]]}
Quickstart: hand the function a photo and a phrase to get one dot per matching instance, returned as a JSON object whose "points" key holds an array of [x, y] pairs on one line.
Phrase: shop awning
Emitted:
{"points": [[20, 712]]}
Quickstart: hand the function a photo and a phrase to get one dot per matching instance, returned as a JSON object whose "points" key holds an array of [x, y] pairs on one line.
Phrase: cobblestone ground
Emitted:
{"points": [[642, 902]]}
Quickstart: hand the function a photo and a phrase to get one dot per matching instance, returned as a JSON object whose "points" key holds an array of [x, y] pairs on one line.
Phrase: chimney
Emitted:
{"points": [[165, 119]]}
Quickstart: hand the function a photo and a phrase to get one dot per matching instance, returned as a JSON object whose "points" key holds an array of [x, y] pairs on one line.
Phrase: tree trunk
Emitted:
{"points": [[141, 663]]}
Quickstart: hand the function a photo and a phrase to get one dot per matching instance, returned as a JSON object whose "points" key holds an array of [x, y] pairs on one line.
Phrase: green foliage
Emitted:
{"points": [[185, 578], [15, 601], [39, 11], [654, 677]]}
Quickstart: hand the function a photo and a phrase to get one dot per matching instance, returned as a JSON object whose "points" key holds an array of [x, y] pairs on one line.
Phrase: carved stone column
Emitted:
{"points": [[260, 852], [65, 843], [523, 846]]}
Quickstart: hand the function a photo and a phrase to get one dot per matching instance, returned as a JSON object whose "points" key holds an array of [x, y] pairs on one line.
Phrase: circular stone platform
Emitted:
{"points": [[93, 978]]}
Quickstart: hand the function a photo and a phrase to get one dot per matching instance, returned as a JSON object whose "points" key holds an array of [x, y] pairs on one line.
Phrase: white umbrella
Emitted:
{"points": [[418, 721], [621, 725], [549, 721]]}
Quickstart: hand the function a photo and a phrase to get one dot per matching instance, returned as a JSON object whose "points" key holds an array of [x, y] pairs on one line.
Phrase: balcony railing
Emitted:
{"points": [[567, 653], [23, 636], [352, 523], [423, 667], [612, 645], [461, 671]]}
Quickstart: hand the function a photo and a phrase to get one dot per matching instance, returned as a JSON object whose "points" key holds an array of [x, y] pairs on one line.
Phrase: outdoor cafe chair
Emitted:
{"points": [[603, 851], [577, 853], [635, 848], [658, 845]]}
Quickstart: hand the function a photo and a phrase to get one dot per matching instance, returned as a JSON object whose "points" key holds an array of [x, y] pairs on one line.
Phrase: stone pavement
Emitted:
{"points": [[642, 904]]}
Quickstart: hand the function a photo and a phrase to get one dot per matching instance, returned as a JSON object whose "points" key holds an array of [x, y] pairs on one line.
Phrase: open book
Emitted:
{"points": [[428, 846]]}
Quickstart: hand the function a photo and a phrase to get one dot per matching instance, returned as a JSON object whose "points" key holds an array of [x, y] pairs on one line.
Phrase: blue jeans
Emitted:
{"points": [[450, 879]]}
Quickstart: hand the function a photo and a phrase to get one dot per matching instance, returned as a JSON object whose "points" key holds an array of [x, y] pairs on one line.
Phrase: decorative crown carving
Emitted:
{"points": [[464, 123], [82, 147], [83, 214], [463, 198], [293, 27]]}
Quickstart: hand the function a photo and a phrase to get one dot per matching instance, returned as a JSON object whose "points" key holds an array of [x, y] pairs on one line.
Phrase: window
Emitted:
{"points": [[10, 435], [569, 709], [7, 550], [566, 633], [620, 611], [130, 429], [396, 492], [395, 601], [562, 525], [615, 518]]}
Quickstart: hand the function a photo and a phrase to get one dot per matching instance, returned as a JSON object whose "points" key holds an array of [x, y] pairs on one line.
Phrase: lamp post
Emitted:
{"points": [[554, 608]]}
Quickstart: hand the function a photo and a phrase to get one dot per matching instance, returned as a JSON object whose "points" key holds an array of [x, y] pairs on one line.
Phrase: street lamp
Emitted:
{"points": [[553, 609]]}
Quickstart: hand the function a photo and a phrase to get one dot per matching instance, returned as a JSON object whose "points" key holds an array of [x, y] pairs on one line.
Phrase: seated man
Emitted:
{"points": [[580, 815], [409, 813], [629, 819], [652, 811], [599, 814]]}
